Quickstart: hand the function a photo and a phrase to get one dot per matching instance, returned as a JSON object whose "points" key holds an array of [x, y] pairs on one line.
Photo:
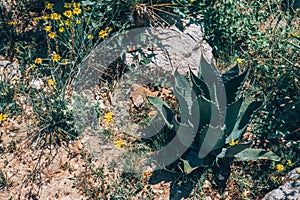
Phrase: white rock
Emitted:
{"points": [[37, 83]]}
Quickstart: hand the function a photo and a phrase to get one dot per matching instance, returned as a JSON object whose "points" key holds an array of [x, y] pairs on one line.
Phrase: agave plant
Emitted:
{"points": [[213, 116]]}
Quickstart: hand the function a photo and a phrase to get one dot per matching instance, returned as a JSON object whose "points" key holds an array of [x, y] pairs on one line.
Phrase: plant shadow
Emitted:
{"points": [[182, 185]]}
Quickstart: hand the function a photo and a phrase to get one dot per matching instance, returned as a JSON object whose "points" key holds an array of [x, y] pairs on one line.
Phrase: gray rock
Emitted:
{"points": [[176, 50], [289, 190], [9, 71]]}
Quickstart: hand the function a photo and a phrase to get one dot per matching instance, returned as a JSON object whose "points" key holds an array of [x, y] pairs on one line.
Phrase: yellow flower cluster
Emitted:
{"points": [[47, 28], [45, 17], [279, 167], [104, 33], [289, 163], [48, 5], [55, 57], [52, 35], [232, 143], [38, 61], [51, 82], [61, 29], [11, 23], [119, 143], [3, 117], [68, 13], [108, 117], [76, 9], [239, 60], [55, 16], [68, 5]]}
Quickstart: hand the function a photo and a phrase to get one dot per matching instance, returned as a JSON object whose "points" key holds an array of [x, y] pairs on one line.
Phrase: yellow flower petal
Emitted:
{"points": [[52, 35], [67, 5], [47, 28], [103, 34], [279, 167], [68, 13], [108, 117], [3, 117], [38, 61], [51, 82], [55, 57], [76, 11], [239, 60], [119, 143], [289, 163]]}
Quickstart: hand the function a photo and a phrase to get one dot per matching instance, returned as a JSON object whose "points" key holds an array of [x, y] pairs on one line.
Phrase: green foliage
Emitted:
{"points": [[3, 182], [200, 105]]}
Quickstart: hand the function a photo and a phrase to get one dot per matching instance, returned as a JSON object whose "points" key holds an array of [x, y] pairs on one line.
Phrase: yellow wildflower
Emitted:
{"points": [[76, 5], [232, 143], [47, 28], [68, 13], [48, 5], [119, 143], [90, 36], [279, 167], [51, 82], [77, 11], [289, 163], [64, 61], [68, 23], [293, 34], [298, 171], [3, 117], [88, 8], [36, 19], [77, 21], [103, 34], [192, 1], [45, 17], [38, 61], [108, 29], [55, 16], [11, 23], [55, 57], [67, 5], [61, 29], [32, 66], [108, 117], [52, 35], [239, 60]]}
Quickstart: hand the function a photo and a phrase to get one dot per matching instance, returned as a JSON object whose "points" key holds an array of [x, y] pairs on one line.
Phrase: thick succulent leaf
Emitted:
{"points": [[187, 167], [205, 108], [203, 65], [256, 154], [234, 86], [185, 111], [246, 113], [209, 140], [232, 113], [163, 109], [233, 150], [183, 93], [211, 77], [199, 86], [230, 74], [185, 132]]}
